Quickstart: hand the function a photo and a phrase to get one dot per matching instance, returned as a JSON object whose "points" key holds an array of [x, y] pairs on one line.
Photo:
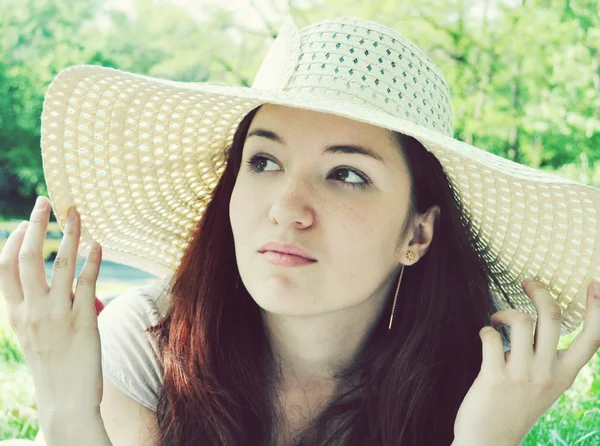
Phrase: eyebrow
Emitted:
{"points": [[346, 148]]}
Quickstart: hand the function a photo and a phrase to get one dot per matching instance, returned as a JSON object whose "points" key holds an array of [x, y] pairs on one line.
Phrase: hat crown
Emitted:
{"points": [[361, 62]]}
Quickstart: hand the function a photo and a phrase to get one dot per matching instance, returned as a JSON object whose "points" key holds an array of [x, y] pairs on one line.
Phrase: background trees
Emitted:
{"points": [[524, 74]]}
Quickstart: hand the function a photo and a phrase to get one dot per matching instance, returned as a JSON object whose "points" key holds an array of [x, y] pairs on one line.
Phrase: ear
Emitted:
{"points": [[421, 236]]}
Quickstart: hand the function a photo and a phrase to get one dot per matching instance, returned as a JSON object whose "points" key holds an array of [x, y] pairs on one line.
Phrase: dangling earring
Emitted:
{"points": [[410, 256]]}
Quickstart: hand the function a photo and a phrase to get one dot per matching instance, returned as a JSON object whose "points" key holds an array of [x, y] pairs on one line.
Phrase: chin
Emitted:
{"points": [[279, 301]]}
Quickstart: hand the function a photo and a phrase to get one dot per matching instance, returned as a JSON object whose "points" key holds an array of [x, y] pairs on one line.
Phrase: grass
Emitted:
{"points": [[18, 409], [574, 419]]}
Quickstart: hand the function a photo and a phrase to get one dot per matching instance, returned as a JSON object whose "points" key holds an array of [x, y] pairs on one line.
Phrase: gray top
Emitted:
{"points": [[130, 357], [129, 354]]}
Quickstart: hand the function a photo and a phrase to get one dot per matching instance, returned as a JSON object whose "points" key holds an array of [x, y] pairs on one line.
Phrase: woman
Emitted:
{"points": [[332, 258]]}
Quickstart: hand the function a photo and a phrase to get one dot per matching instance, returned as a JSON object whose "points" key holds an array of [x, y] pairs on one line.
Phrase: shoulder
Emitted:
{"points": [[144, 305], [130, 354]]}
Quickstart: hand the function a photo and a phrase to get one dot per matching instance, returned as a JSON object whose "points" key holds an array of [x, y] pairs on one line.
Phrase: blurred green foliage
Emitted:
{"points": [[524, 75]]}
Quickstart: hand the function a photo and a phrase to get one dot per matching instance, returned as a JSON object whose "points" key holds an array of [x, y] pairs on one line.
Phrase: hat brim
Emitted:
{"points": [[139, 155]]}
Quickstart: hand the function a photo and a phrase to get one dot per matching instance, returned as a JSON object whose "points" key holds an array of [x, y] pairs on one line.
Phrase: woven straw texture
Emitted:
{"points": [[138, 156]]}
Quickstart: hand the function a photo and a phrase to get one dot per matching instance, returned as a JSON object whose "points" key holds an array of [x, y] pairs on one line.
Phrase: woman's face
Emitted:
{"points": [[303, 189]]}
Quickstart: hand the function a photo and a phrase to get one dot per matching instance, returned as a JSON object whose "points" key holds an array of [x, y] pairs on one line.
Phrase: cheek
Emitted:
{"points": [[246, 215], [238, 209], [363, 237], [353, 236], [241, 205], [356, 223]]}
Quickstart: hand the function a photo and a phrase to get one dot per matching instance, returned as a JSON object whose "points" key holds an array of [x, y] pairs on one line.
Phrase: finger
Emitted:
{"points": [[85, 291], [63, 272], [587, 342], [521, 338], [492, 350], [10, 282], [32, 270], [547, 331]]}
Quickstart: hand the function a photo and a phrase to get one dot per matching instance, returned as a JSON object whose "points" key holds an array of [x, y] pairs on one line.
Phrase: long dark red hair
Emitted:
{"points": [[407, 383]]}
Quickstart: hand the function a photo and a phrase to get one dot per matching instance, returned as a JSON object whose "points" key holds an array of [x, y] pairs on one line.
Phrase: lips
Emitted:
{"points": [[286, 260], [286, 248]]}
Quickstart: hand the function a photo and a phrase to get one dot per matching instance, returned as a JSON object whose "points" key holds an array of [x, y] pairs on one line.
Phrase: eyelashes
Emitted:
{"points": [[255, 160]]}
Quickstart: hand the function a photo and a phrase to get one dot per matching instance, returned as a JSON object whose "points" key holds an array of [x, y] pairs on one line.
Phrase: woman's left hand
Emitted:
{"points": [[514, 389]]}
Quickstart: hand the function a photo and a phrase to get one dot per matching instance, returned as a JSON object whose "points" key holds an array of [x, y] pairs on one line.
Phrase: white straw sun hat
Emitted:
{"points": [[138, 156]]}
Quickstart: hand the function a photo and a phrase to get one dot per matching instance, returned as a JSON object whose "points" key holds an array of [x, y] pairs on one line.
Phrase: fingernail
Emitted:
{"points": [[22, 225], [597, 288], [527, 282], [40, 203]]}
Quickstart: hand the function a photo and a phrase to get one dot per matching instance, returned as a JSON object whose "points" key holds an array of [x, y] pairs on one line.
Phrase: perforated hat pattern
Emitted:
{"points": [[139, 156]]}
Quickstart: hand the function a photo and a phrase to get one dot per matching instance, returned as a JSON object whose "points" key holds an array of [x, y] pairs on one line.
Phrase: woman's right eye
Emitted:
{"points": [[255, 161]]}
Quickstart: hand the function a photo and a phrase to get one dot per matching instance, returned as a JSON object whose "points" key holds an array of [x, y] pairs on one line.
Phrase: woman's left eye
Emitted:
{"points": [[364, 181], [256, 160]]}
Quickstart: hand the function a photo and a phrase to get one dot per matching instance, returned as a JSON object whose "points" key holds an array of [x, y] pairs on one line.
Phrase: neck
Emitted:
{"points": [[311, 349]]}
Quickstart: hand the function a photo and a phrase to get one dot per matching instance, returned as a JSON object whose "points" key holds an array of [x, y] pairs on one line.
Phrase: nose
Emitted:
{"points": [[291, 205]]}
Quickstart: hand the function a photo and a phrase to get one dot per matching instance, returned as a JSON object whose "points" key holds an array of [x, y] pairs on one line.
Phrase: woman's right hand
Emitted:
{"points": [[56, 328]]}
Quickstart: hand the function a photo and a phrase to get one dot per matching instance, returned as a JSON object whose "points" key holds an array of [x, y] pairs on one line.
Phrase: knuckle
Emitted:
{"points": [[521, 379], [27, 256], [545, 381], [500, 316], [33, 320], [58, 313], [70, 229], [591, 339], [86, 280], [488, 334], [37, 217], [493, 377], [555, 312], [61, 262], [524, 318], [93, 257]]}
